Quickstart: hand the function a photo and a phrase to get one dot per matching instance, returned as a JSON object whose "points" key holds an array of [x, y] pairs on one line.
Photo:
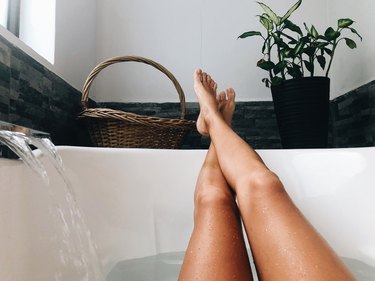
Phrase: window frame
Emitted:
{"points": [[13, 18]]}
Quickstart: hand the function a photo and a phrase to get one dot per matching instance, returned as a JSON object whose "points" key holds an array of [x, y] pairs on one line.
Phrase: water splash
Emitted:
{"points": [[73, 241]]}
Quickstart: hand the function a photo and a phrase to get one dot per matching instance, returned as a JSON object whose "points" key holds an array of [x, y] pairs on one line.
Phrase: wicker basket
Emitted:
{"points": [[116, 128]]}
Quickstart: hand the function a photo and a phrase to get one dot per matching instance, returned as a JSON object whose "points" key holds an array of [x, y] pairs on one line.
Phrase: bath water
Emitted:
{"points": [[65, 243], [166, 267], [161, 267]]}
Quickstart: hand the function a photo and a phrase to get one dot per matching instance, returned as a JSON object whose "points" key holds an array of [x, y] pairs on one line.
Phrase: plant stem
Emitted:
{"points": [[280, 59], [279, 55], [330, 61], [269, 52], [333, 53], [312, 58]]}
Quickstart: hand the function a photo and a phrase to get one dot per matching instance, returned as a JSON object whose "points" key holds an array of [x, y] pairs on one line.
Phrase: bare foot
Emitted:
{"points": [[205, 88], [227, 104]]}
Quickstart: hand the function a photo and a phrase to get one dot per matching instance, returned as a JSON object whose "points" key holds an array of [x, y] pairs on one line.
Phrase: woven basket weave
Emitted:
{"points": [[116, 128]]}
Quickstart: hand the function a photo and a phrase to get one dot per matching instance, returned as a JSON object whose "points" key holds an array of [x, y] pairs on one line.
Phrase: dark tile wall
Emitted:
{"points": [[34, 97], [254, 121], [353, 118]]}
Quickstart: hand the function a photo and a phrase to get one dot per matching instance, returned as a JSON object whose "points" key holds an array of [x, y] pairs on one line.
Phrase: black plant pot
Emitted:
{"points": [[302, 112]]}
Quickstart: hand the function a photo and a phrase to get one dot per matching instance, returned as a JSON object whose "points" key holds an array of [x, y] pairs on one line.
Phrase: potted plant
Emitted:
{"points": [[290, 56]]}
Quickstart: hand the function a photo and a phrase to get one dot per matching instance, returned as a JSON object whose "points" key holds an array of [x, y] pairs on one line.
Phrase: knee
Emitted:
{"points": [[262, 181], [212, 196]]}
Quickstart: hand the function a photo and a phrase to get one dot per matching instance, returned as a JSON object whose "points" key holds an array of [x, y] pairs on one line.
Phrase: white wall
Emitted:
{"points": [[353, 68], [3, 12], [75, 53], [37, 26], [184, 35]]}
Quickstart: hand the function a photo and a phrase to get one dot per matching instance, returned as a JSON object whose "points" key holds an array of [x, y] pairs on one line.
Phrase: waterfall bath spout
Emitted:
{"points": [[7, 130], [5, 126], [15, 142]]}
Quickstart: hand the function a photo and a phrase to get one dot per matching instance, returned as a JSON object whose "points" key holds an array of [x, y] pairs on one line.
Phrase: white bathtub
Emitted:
{"points": [[138, 203]]}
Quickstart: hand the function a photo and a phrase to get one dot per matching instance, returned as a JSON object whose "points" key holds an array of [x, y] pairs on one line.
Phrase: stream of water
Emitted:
{"points": [[72, 241]]}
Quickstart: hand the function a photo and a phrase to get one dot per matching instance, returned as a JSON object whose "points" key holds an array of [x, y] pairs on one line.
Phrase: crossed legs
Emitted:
{"points": [[284, 244]]}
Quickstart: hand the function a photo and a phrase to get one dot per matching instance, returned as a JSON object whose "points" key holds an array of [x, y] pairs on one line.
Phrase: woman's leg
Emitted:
{"points": [[216, 249], [284, 244]]}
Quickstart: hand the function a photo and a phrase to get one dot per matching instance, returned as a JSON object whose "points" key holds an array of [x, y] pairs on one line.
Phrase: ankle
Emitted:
{"points": [[211, 118]]}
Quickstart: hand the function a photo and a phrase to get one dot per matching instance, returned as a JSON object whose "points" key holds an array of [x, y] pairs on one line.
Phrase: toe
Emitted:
{"points": [[231, 94], [208, 80], [222, 96], [198, 75], [198, 72], [204, 78]]}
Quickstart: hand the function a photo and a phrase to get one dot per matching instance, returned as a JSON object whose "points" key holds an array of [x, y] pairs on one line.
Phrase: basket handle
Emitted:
{"points": [[108, 62]]}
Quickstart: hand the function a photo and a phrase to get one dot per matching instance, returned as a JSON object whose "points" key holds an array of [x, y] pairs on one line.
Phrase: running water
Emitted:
{"points": [[48, 149], [73, 247], [17, 142]]}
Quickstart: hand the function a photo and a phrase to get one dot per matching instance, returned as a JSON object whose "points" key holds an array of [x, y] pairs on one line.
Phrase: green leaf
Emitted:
{"points": [[295, 71], [310, 51], [249, 34], [309, 66], [286, 53], [343, 23], [267, 82], [305, 39], [355, 31], [350, 43], [292, 40], [307, 29], [270, 13], [279, 42], [331, 34], [328, 51], [276, 81], [266, 23], [264, 46], [266, 65], [293, 27], [322, 37], [279, 67], [298, 49], [321, 45], [291, 10], [321, 61], [314, 32]]}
